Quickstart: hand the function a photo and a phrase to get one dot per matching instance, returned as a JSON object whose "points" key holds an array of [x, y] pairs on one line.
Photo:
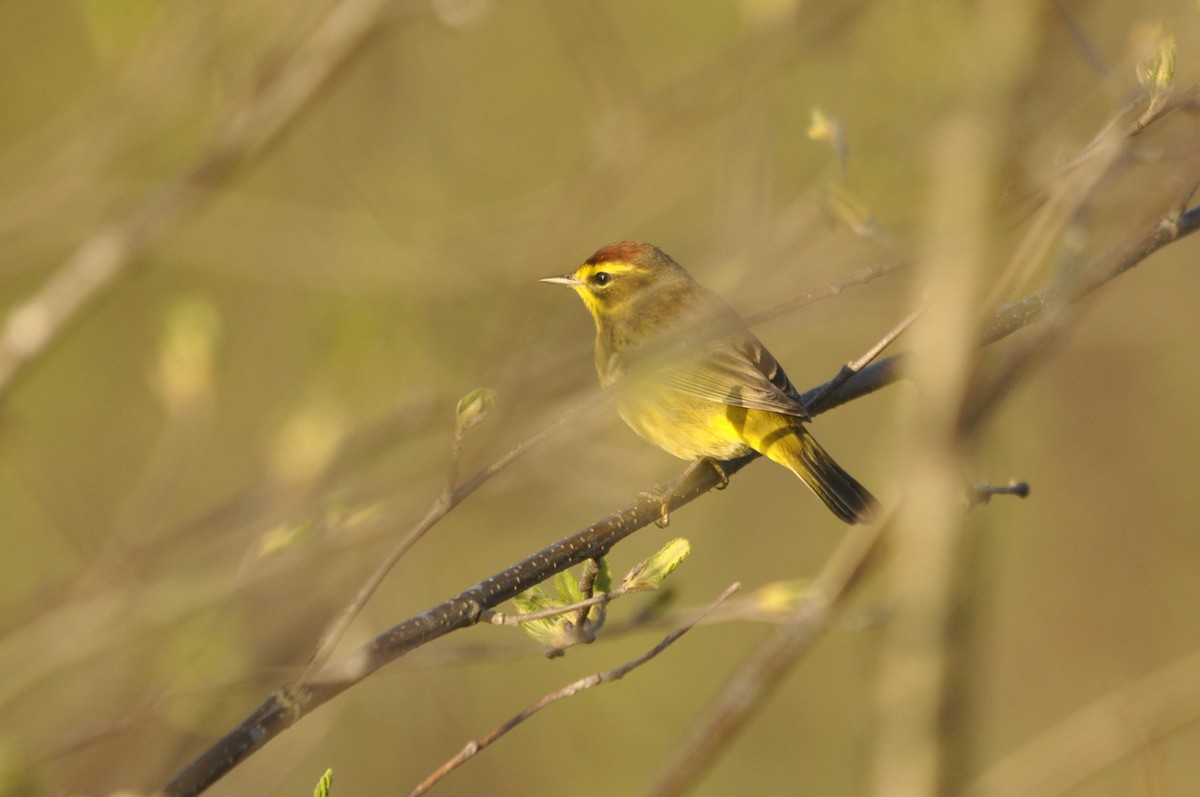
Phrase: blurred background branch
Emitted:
{"points": [[1124, 723], [251, 126]]}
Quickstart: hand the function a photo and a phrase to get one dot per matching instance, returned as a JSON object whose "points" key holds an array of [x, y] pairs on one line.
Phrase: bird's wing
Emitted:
{"points": [[739, 372]]}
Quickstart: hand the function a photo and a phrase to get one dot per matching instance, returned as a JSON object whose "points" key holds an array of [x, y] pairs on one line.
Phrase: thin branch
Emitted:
{"points": [[333, 633], [437, 510], [587, 586], [1053, 304], [474, 747], [84, 738], [835, 288], [982, 493], [1107, 267], [854, 367]]}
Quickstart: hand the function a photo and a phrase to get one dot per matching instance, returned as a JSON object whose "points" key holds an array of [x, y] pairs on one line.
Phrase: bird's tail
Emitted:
{"points": [[844, 496]]}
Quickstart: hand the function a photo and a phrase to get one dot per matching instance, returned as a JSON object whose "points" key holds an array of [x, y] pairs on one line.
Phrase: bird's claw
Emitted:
{"points": [[722, 479], [662, 497]]}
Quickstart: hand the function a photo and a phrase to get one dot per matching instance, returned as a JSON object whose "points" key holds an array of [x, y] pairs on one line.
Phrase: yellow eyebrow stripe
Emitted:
{"points": [[611, 266]]}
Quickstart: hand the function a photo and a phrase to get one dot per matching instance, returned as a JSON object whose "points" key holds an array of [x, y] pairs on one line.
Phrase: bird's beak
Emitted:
{"points": [[565, 279]]}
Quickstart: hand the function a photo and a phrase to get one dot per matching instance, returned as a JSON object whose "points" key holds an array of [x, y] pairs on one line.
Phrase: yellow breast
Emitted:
{"points": [[683, 425]]}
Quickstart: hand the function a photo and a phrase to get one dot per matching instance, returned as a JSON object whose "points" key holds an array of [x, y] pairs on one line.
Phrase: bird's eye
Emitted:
{"points": [[601, 278]]}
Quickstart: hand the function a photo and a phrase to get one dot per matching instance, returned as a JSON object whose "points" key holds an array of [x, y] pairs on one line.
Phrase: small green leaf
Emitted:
{"points": [[568, 587], [324, 785], [822, 127], [1157, 71], [603, 577], [548, 631], [532, 600], [780, 597], [651, 573], [473, 408]]}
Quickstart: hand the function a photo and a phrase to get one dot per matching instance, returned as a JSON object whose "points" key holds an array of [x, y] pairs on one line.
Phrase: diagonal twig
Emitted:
{"points": [[854, 367]]}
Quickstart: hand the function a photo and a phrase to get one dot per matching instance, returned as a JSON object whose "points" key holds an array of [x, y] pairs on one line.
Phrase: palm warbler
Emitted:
{"points": [[697, 383]]}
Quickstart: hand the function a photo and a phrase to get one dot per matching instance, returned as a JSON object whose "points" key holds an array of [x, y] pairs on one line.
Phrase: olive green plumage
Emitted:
{"points": [[699, 384]]}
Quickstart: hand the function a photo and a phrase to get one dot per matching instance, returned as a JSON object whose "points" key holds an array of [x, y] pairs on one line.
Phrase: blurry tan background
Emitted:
{"points": [[214, 456]]}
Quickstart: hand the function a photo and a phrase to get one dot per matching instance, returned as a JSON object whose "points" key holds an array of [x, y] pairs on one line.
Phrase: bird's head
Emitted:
{"points": [[627, 278]]}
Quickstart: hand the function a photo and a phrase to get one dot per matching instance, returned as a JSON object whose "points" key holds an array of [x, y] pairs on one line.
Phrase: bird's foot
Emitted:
{"points": [[664, 495], [661, 496], [722, 477], [664, 515]]}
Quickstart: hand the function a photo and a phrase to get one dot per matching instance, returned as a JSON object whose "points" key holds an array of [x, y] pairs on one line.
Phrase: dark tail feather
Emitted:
{"points": [[844, 496]]}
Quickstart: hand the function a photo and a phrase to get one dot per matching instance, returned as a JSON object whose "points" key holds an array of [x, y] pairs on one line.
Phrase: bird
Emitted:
{"points": [[693, 379]]}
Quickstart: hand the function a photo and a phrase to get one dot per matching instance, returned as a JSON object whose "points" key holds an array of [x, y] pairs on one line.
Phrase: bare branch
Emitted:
{"points": [[983, 493], [855, 367], [925, 546]]}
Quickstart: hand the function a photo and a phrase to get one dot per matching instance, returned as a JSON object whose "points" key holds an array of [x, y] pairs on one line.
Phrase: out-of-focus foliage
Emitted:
{"points": [[202, 472]]}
